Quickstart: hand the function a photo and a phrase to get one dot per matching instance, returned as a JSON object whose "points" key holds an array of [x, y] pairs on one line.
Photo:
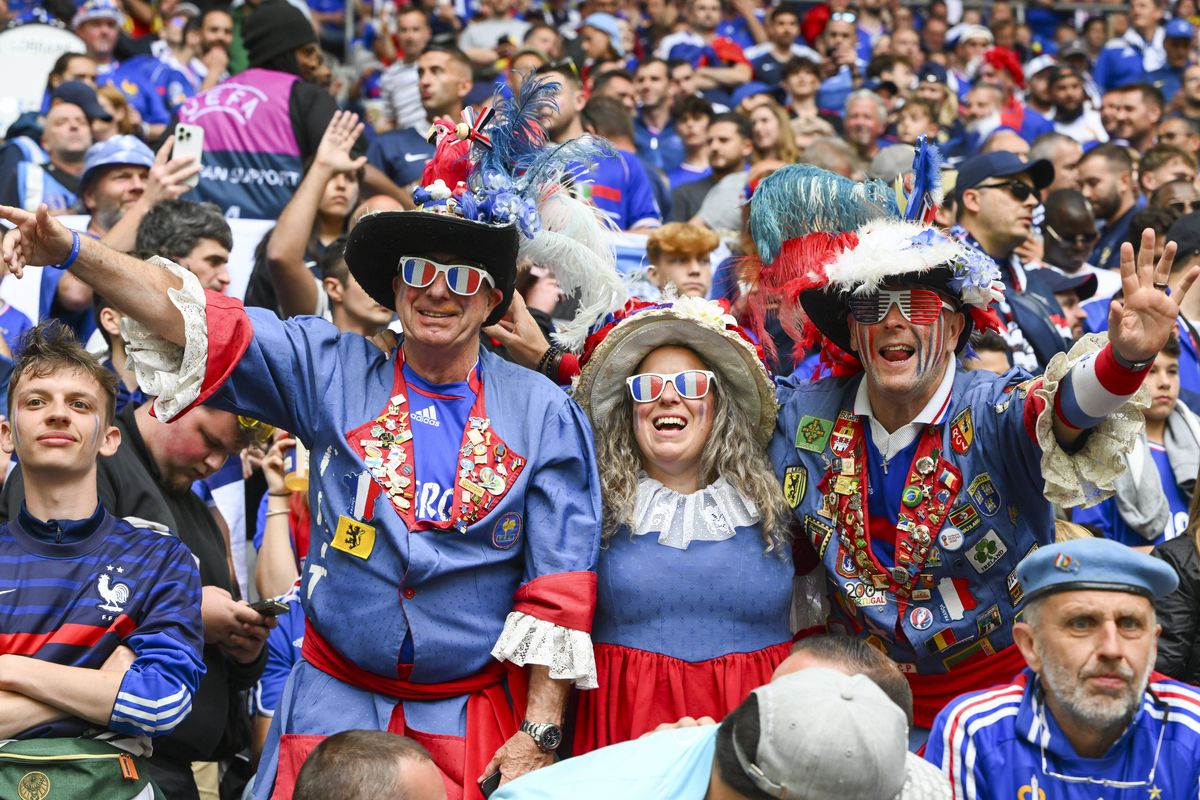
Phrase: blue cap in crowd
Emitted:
{"points": [[119, 150], [933, 72], [1092, 563], [1179, 28], [98, 9], [749, 90], [1185, 233], [1002, 164], [606, 23], [80, 94], [1083, 284]]}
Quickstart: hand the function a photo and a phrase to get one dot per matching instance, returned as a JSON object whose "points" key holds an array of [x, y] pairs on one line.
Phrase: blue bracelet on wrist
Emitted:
{"points": [[74, 253]]}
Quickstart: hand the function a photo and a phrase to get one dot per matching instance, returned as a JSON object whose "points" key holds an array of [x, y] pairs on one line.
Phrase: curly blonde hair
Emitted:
{"points": [[730, 452]]}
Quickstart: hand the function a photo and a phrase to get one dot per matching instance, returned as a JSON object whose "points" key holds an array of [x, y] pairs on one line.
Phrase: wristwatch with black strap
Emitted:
{"points": [[546, 735]]}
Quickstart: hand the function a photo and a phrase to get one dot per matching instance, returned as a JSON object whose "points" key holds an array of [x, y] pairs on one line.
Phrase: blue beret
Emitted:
{"points": [[1083, 564]]}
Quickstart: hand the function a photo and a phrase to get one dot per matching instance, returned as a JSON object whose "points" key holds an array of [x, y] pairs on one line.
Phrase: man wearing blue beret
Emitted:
{"points": [[1089, 717]]}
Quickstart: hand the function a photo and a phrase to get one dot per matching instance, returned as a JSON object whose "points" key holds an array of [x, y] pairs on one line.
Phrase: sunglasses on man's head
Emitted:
{"points": [[1018, 189], [463, 279], [843, 16], [564, 66], [260, 432], [691, 384], [918, 306], [1079, 239]]}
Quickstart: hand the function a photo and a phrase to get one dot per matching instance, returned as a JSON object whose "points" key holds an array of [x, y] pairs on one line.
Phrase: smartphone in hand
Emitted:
{"points": [[189, 141], [270, 608], [490, 784]]}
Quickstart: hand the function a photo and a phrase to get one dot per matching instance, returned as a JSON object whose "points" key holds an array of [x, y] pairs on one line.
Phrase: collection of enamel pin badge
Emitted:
{"points": [[386, 456], [487, 467], [929, 493]]}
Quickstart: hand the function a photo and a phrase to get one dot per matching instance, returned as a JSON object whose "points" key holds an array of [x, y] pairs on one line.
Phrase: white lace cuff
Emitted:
{"points": [[1087, 476], [173, 375], [566, 651]]}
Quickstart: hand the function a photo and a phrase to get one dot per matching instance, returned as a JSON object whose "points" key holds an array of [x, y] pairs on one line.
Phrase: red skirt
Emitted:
{"points": [[640, 690]]}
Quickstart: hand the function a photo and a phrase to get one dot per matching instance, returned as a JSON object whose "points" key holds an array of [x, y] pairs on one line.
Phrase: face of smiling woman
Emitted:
{"points": [[671, 431]]}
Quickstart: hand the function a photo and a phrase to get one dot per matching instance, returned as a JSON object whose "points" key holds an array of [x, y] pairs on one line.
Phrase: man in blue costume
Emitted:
{"points": [[454, 495], [919, 485]]}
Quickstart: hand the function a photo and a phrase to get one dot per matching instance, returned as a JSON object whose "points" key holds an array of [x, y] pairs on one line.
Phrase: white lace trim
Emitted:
{"points": [[1087, 476], [709, 515], [566, 651], [173, 375]]}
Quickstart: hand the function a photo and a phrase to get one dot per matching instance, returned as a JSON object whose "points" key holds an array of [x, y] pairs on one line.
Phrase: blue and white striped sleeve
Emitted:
{"points": [[156, 693]]}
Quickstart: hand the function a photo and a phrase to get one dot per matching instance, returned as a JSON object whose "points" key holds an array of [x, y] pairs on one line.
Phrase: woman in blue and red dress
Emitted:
{"points": [[695, 573]]}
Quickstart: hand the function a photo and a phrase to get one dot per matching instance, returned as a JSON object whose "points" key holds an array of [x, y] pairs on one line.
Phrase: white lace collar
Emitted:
{"points": [[709, 515]]}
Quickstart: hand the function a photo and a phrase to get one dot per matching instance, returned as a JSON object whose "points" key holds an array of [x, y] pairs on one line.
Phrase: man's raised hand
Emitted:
{"points": [[36, 240], [1140, 323]]}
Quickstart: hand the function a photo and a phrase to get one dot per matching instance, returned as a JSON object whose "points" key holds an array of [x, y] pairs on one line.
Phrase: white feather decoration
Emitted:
{"points": [[885, 250], [573, 245]]}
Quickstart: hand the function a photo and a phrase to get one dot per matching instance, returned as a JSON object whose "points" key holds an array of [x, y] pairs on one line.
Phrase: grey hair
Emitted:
{"points": [[730, 452], [173, 228], [867, 94]]}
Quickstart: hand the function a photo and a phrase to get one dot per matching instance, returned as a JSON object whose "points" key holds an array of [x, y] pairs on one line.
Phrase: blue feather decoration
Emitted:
{"points": [[567, 162], [520, 160], [800, 199], [927, 194], [518, 133]]}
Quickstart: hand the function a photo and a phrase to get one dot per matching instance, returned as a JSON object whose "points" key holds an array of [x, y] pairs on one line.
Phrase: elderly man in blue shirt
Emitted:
{"points": [[1089, 717]]}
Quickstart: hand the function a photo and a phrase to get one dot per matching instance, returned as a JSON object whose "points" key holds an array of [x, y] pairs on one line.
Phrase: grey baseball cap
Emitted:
{"points": [[825, 735]]}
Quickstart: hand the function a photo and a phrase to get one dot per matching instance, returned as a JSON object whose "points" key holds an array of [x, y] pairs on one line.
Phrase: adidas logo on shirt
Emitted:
{"points": [[427, 416]]}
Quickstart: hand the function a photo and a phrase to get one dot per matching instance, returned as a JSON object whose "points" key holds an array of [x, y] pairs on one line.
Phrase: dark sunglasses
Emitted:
{"points": [[1079, 239], [1020, 191], [1185, 206]]}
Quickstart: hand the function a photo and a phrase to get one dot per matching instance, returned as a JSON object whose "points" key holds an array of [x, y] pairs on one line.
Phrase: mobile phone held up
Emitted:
{"points": [[189, 141]]}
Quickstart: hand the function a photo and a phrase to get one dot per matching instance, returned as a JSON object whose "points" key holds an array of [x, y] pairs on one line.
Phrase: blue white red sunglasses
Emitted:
{"points": [[918, 306], [691, 384], [463, 279]]}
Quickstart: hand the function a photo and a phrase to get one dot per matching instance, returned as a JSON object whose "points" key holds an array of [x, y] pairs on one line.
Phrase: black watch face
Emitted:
{"points": [[551, 738]]}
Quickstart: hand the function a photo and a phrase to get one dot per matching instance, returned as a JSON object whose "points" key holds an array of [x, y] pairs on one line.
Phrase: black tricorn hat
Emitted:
{"points": [[377, 242]]}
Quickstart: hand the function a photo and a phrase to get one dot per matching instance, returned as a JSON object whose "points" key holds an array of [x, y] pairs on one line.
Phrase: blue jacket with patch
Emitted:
{"points": [[996, 507]]}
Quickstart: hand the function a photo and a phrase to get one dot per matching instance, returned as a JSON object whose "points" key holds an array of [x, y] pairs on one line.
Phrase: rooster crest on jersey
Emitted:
{"points": [[114, 595]]}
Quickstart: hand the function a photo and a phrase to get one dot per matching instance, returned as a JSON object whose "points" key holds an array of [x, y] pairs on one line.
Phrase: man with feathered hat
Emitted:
{"points": [[450, 584], [920, 485]]}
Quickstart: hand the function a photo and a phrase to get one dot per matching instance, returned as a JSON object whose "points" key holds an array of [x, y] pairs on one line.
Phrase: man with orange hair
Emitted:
{"points": [[678, 253]]}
